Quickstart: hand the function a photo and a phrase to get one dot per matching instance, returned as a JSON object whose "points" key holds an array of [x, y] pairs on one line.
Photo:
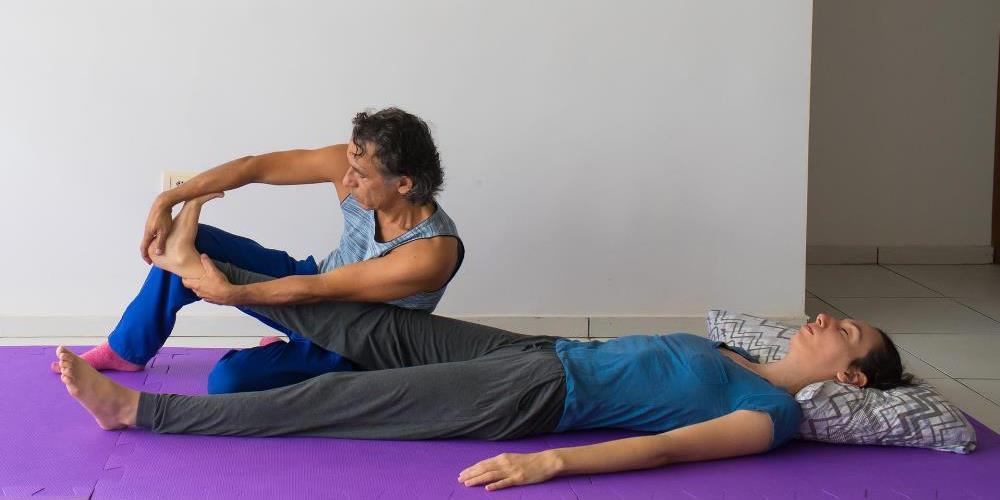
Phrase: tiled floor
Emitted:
{"points": [[945, 317]]}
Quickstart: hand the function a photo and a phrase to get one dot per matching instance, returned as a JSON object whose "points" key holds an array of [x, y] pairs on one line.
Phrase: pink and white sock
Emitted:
{"points": [[103, 357], [269, 340]]}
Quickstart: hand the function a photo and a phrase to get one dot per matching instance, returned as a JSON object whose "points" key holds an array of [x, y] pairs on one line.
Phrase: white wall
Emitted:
{"points": [[621, 158], [902, 122]]}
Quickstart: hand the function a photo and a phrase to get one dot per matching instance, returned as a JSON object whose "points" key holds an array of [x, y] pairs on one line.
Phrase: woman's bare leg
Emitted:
{"points": [[180, 256]]}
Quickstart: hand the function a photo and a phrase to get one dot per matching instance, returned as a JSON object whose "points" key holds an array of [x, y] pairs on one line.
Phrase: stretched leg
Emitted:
{"points": [[381, 336], [508, 394]]}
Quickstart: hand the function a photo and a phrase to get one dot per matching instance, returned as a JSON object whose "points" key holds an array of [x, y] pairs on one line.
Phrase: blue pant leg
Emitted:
{"points": [[283, 364], [150, 317], [274, 365], [278, 364]]}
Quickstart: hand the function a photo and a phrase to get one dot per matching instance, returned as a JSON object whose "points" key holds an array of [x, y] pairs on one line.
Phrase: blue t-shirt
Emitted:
{"points": [[662, 382]]}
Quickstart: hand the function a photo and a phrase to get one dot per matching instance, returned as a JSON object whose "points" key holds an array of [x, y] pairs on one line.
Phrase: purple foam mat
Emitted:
{"points": [[52, 448]]}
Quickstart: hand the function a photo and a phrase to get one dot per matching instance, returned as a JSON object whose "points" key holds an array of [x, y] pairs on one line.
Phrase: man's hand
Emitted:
{"points": [[158, 225], [213, 286], [512, 469]]}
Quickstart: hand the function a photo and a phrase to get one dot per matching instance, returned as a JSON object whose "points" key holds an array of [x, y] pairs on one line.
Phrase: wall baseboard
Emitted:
{"points": [[834, 254], [912, 254], [12, 326], [936, 255]]}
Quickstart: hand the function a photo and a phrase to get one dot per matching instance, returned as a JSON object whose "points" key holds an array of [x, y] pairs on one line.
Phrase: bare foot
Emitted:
{"points": [[113, 406], [179, 254]]}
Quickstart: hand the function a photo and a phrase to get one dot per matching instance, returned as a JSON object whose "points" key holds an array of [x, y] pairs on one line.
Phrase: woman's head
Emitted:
{"points": [[882, 366], [849, 351], [392, 155]]}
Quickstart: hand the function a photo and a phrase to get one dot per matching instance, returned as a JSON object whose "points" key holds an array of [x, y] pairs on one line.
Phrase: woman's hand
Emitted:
{"points": [[512, 469], [158, 225]]}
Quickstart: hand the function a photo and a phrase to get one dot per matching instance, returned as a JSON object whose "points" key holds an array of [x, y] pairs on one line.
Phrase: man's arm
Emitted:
{"points": [[301, 166], [739, 433], [419, 266]]}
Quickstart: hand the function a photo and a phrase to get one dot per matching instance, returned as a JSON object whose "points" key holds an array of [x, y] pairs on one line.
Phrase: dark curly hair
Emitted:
{"points": [[403, 147], [883, 366]]}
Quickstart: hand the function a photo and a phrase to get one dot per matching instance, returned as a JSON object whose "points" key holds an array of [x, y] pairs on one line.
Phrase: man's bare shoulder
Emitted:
{"points": [[445, 246]]}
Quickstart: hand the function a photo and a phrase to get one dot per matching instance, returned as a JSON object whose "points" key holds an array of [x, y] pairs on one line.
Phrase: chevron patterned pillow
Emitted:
{"points": [[763, 338], [915, 416]]}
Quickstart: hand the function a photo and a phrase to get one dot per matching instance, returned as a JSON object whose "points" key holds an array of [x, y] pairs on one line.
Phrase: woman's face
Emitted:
{"points": [[828, 345], [364, 178]]}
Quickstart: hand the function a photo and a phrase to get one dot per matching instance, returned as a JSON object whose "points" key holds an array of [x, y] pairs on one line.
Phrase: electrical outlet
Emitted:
{"points": [[174, 178]]}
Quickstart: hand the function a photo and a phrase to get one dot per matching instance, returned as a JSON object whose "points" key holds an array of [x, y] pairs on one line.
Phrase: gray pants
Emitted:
{"points": [[432, 377]]}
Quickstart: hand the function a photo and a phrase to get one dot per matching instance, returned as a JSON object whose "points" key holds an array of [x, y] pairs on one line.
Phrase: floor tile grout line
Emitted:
{"points": [[987, 398], [951, 299], [921, 285], [882, 297], [926, 286], [910, 279], [959, 299], [946, 374], [928, 363], [956, 380], [835, 308], [955, 300]]}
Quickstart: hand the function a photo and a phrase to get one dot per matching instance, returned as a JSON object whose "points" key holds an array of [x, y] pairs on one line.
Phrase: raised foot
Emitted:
{"points": [[179, 255]]}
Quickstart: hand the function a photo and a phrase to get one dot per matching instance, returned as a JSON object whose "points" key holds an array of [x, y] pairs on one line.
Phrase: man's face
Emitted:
{"points": [[364, 178]]}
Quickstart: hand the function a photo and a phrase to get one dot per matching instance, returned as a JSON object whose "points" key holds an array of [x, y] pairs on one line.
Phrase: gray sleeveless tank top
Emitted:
{"points": [[358, 244]]}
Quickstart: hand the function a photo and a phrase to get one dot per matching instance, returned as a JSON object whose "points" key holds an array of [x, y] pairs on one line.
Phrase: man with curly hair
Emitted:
{"points": [[398, 247]]}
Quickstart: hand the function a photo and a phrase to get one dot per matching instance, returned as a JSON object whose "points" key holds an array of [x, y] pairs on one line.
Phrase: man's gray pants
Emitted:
{"points": [[431, 377]]}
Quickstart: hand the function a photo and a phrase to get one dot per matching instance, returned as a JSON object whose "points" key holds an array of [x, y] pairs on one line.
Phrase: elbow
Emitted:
{"points": [[664, 459], [669, 452], [249, 167], [673, 450]]}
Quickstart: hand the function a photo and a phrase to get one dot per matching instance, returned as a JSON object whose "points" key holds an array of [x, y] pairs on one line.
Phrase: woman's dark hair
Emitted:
{"points": [[403, 146], [883, 366]]}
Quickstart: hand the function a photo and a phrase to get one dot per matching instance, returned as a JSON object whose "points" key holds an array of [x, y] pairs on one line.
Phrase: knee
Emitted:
{"points": [[207, 239], [228, 376]]}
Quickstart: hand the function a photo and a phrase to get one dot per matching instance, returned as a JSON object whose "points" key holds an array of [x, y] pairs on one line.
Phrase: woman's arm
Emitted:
{"points": [[742, 432]]}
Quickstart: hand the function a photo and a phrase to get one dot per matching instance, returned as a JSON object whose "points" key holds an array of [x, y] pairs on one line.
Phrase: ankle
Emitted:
{"points": [[130, 408]]}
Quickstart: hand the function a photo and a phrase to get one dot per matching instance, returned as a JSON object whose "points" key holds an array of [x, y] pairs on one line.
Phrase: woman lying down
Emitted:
{"points": [[434, 377]]}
